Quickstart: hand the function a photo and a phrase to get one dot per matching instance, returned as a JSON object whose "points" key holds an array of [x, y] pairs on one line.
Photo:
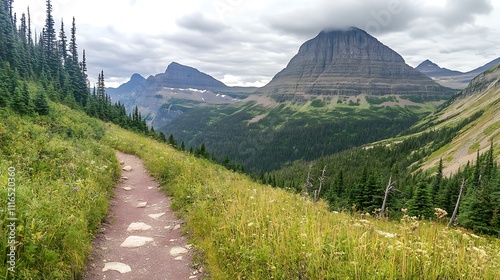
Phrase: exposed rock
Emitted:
{"points": [[127, 168], [117, 266], [138, 227], [176, 251], [156, 216], [350, 62], [136, 241], [141, 205]]}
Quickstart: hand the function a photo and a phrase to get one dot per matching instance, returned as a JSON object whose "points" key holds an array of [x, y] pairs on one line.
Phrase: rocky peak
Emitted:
{"points": [[181, 76], [349, 62]]}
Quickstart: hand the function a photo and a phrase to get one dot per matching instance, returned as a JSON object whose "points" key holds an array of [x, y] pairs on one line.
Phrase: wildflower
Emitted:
{"points": [[440, 213], [75, 189], [404, 210], [385, 234]]}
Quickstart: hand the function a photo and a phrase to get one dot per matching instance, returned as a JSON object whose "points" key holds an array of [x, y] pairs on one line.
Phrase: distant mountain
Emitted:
{"points": [[181, 76], [350, 62], [431, 69], [451, 78], [136, 83]]}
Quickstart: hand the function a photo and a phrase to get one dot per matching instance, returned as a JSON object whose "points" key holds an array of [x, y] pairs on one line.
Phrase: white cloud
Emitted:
{"points": [[243, 42]]}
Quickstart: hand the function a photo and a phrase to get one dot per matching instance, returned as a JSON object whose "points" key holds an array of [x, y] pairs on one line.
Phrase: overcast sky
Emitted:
{"points": [[246, 42]]}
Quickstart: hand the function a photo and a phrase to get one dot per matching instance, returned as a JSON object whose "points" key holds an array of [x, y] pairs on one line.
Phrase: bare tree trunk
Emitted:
{"points": [[321, 179], [455, 212], [308, 184], [389, 187]]}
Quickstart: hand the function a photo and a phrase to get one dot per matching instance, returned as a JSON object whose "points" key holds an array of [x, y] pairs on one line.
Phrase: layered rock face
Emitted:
{"points": [[350, 62], [180, 76]]}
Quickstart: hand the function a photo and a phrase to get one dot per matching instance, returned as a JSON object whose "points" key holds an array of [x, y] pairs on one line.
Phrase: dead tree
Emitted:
{"points": [[320, 179], [308, 185], [388, 189], [455, 212]]}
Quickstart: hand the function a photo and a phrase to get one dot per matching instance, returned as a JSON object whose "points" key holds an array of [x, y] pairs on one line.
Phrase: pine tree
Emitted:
{"points": [[73, 49], [49, 41], [420, 205], [21, 101], [41, 103], [62, 43]]}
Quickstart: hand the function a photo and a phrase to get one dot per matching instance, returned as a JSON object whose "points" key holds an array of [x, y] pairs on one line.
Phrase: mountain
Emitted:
{"points": [[136, 83], [451, 78], [181, 76], [350, 62], [431, 69]]}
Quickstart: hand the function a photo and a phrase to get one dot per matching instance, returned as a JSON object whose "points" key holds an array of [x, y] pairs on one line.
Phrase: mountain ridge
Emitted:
{"points": [[452, 78]]}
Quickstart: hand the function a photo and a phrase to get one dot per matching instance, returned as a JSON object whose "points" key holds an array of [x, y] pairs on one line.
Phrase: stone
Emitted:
{"points": [[141, 205], [138, 227], [127, 168], [127, 188], [124, 178], [117, 266], [122, 162], [176, 227], [136, 241], [156, 216], [176, 251]]}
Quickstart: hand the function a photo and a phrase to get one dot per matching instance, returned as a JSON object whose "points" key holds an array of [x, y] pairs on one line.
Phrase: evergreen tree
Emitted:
{"points": [[21, 101], [62, 43], [41, 103], [49, 41], [420, 205]]}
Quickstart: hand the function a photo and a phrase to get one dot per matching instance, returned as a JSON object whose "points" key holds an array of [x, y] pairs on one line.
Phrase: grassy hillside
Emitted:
{"points": [[63, 177], [245, 230], [482, 94]]}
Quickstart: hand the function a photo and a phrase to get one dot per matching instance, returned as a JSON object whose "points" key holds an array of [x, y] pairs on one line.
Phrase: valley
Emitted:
{"points": [[347, 164]]}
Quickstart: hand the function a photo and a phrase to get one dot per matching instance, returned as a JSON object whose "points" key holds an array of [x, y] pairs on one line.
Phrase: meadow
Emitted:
{"points": [[245, 230], [65, 173], [64, 178]]}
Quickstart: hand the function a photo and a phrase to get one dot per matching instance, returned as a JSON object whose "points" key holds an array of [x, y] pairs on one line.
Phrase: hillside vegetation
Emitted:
{"points": [[245, 230], [63, 179]]}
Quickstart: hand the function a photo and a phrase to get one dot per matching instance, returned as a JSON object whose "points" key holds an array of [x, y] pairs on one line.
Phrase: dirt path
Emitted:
{"points": [[141, 237]]}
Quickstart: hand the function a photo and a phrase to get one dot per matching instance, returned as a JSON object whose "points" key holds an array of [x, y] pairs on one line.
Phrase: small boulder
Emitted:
{"points": [[117, 266], [127, 168]]}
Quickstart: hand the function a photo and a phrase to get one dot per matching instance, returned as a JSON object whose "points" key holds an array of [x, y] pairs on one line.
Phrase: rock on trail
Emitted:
{"points": [[140, 238]]}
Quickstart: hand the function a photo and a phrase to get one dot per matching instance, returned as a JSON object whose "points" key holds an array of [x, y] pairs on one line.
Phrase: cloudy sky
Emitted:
{"points": [[246, 42]]}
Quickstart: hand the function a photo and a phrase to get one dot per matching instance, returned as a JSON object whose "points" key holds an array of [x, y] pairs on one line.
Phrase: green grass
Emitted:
{"points": [[244, 230], [64, 178]]}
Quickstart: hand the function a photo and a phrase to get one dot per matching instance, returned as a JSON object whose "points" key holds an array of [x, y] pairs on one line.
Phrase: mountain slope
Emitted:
{"points": [[350, 62], [481, 95]]}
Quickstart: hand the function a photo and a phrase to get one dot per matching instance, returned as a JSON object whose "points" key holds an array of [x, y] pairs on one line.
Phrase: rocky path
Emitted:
{"points": [[141, 238]]}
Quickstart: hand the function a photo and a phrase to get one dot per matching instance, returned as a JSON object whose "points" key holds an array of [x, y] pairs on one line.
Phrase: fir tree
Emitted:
{"points": [[420, 205], [41, 103], [62, 43]]}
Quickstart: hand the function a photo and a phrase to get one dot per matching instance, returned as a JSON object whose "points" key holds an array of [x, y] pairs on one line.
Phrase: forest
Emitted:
{"points": [[356, 180]]}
